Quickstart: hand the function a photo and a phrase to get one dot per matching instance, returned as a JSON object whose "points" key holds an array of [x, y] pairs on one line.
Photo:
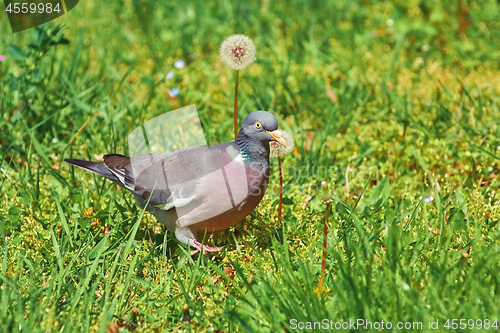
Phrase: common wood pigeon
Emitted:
{"points": [[199, 190]]}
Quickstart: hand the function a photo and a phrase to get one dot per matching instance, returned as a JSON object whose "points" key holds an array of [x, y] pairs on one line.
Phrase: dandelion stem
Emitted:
{"points": [[280, 205], [236, 106]]}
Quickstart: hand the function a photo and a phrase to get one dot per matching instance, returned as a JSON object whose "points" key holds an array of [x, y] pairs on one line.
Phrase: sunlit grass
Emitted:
{"points": [[406, 107]]}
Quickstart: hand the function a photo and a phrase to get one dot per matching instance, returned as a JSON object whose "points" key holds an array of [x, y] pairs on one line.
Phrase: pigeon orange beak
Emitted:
{"points": [[277, 136]]}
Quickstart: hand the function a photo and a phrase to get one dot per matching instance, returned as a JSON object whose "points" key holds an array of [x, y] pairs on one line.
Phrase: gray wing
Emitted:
{"points": [[171, 177]]}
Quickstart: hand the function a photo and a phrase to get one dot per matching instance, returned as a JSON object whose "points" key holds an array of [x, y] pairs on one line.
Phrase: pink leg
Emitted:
{"points": [[186, 236], [206, 248]]}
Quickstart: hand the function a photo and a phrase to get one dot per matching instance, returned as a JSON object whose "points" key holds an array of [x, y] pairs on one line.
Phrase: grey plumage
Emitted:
{"points": [[199, 189]]}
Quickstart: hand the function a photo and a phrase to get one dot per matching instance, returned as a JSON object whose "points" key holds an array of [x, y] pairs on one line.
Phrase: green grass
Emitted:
{"points": [[389, 102]]}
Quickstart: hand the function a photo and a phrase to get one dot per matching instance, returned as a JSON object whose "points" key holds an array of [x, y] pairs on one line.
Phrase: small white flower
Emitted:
{"points": [[173, 92], [179, 63], [277, 149], [170, 75], [425, 48], [237, 51], [389, 23]]}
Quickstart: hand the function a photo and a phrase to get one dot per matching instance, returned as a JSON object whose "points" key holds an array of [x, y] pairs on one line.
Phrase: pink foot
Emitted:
{"points": [[204, 248]]}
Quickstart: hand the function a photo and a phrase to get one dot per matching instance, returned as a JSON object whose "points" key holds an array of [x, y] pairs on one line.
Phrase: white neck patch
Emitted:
{"points": [[235, 155]]}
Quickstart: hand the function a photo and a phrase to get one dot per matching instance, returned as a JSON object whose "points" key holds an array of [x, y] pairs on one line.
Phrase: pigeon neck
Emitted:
{"points": [[252, 151]]}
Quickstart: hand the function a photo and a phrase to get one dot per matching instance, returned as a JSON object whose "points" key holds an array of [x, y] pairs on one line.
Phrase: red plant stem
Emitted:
{"points": [[236, 106], [323, 261], [325, 233], [280, 206]]}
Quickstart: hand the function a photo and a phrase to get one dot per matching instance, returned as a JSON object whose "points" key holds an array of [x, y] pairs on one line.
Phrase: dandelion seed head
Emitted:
{"points": [[277, 149], [237, 51]]}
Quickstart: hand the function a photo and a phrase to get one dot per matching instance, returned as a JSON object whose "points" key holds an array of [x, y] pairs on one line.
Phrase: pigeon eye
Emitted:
{"points": [[258, 125]]}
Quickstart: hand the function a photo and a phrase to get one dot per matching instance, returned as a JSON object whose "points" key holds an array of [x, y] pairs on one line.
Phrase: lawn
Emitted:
{"points": [[395, 104]]}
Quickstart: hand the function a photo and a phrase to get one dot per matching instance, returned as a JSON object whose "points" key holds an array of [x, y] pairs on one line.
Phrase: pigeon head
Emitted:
{"points": [[261, 126]]}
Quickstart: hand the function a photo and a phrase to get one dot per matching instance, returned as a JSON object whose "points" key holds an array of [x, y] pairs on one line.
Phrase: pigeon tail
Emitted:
{"points": [[94, 167]]}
